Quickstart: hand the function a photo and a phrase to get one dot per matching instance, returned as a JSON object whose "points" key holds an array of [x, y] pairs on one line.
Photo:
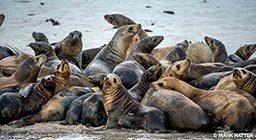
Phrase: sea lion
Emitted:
{"points": [[93, 113], [114, 53], [29, 101], [145, 45], [2, 17], [55, 109], [219, 53], [185, 70], [119, 20], [130, 73], [245, 63], [145, 60], [40, 37], [6, 51], [97, 79], [88, 55], [159, 53], [74, 112], [71, 48], [227, 109], [8, 65], [26, 72], [124, 111], [150, 75], [245, 51], [178, 109]]}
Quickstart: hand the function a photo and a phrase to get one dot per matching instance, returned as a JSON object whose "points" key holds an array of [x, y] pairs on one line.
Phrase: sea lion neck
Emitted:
{"points": [[248, 84]]}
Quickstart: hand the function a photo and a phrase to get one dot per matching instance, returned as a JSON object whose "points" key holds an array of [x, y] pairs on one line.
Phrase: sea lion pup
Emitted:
{"points": [[245, 51], [8, 65], [28, 101], [178, 110], [40, 37], [150, 75], [145, 60], [2, 17], [26, 72], [185, 70], [146, 45], [227, 109], [219, 53], [114, 53], [55, 109], [71, 48], [124, 111], [88, 55], [118, 20]]}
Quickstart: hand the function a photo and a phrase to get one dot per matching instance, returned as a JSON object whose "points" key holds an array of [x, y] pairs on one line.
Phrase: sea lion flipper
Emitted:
{"points": [[25, 90]]}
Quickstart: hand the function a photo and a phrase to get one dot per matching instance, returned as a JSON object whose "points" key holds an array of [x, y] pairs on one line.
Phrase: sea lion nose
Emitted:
{"points": [[109, 18], [75, 36]]}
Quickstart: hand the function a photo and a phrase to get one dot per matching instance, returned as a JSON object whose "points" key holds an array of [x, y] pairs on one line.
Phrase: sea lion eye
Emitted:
{"points": [[160, 84], [178, 66], [115, 80], [243, 71], [211, 41]]}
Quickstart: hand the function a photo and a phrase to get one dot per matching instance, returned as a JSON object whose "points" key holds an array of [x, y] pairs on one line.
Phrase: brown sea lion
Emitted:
{"points": [[29, 101], [150, 75], [118, 20], [145, 60], [2, 17], [55, 109], [40, 37], [227, 109], [9, 64], [145, 45], [88, 55], [124, 111], [187, 71], [178, 110], [114, 53], [245, 51], [26, 72], [71, 48]]}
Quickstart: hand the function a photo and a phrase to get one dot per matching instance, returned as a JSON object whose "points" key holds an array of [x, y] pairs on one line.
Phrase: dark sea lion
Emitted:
{"points": [[150, 75], [88, 55], [178, 110], [2, 17], [145, 45], [145, 60], [130, 73], [6, 51], [114, 53], [16, 105], [219, 53], [71, 48], [40, 37], [55, 109], [93, 113], [118, 20], [9, 64], [97, 79], [227, 109], [245, 51], [26, 72], [124, 111], [245, 63], [74, 112]]}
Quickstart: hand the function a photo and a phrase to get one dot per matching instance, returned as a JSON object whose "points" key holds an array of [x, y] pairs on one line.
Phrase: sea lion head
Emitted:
{"points": [[178, 69], [41, 48], [62, 69], [245, 80], [183, 45], [153, 73], [218, 49], [176, 54], [146, 60], [46, 86], [39, 37], [245, 51], [213, 43], [149, 43], [72, 45], [97, 79], [164, 83], [29, 68], [111, 83], [118, 20]]}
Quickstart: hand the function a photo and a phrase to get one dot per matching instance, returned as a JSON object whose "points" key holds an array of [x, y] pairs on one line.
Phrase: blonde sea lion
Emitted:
{"points": [[124, 111], [227, 109], [114, 53]]}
